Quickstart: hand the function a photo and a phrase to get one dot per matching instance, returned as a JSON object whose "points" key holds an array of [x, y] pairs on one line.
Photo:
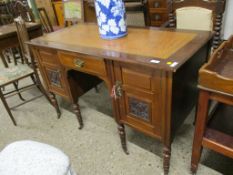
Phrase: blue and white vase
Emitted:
{"points": [[111, 18]]}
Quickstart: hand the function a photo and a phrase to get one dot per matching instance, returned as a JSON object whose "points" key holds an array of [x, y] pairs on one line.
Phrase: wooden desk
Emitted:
{"points": [[153, 72], [9, 39]]}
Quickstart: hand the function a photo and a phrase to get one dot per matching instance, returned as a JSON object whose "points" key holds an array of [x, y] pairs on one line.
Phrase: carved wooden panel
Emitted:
{"points": [[54, 77], [139, 109]]}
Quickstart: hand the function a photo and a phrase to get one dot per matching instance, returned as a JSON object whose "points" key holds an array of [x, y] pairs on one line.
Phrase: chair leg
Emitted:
{"points": [[17, 89], [37, 82], [7, 107], [3, 59], [7, 55], [13, 52], [20, 54]]}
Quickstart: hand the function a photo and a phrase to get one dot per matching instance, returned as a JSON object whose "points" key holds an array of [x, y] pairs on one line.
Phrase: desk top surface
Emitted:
{"points": [[9, 29], [141, 44]]}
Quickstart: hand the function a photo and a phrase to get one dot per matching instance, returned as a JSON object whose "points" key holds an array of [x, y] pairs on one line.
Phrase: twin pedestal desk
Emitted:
{"points": [[151, 74]]}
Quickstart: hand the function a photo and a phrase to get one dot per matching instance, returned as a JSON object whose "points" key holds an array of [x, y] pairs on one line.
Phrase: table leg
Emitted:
{"points": [[121, 130], [3, 59], [201, 118], [166, 159], [55, 104], [78, 114]]}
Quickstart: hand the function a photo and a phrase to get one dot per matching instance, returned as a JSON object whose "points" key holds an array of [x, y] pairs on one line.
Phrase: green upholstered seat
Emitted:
{"points": [[8, 75]]}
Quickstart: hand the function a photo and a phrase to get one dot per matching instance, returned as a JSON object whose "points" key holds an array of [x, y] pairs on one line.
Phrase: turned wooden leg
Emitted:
{"points": [[78, 115], [201, 118], [3, 59], [17, 89], [121, 130], [55, 104], [166, 159], [7, 107]]}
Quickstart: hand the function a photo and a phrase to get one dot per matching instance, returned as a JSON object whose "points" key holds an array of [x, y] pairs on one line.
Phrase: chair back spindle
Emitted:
{"points": [[24, 11], [178, 9], [23, 37], [45, 21]]}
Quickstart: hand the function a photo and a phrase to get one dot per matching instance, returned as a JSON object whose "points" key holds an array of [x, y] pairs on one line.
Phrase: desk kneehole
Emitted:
{"points": [[83, 63]]}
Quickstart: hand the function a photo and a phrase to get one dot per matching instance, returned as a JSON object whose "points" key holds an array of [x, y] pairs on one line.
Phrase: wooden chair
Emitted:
{"points": [[73, 12], [14, 74], [23, 10], [11, 52], [215, 83], [198, 15], [45, 21], [6, 19], [134, 7]]}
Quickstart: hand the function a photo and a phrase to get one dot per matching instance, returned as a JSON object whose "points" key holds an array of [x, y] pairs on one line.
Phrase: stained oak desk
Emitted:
{"points": [[9, 39], [153, 73]]}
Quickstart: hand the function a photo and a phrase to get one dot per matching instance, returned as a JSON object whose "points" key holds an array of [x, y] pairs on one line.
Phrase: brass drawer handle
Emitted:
{"points": [[79, 63]]}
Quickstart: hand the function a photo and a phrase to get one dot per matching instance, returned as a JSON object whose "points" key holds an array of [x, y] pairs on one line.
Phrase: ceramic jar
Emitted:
{"points": [[111, 18]]}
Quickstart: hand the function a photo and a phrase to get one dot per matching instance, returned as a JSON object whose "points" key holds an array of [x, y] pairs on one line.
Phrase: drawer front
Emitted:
{"points": [[142, 79], [157, 3], [48, 56], [158, 18], [55, 80], [83, 63]]}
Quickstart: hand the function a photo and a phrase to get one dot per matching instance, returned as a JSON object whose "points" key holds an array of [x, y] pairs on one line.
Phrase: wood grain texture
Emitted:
{"points": [[140, 46], [160, 44], [8, 35], [217, 74], [10, 29], [144, 90]]}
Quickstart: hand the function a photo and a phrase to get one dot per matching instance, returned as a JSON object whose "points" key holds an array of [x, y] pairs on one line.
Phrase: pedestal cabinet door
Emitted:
{"points": [[138, 99], [55, 80]]}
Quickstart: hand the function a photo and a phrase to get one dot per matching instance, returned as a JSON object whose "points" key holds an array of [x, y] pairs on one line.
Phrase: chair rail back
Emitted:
{"points": [[23, 36], [45, 21], [24, 11], [216, 6]]}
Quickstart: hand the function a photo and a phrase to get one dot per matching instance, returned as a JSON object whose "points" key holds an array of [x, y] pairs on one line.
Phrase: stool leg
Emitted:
{"points": [[7, 107], [121, 130], [201, 119]]}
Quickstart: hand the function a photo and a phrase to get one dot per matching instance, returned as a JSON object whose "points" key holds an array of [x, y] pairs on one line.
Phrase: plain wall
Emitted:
{"points": [[228, 20]]}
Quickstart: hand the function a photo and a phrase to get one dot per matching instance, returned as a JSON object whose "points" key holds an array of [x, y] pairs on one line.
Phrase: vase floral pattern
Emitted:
{"points": [[111, 18]]}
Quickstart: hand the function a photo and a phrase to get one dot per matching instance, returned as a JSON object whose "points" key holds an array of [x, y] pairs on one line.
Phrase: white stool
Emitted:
{"points": [[33, 158]]}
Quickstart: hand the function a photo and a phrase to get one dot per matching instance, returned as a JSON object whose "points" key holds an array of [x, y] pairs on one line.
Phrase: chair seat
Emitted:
{"points": [[13, 73], [33, 158]]}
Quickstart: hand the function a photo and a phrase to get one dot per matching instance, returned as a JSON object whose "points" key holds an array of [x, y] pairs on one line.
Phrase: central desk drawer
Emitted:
{"points": [[83, 63]]}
